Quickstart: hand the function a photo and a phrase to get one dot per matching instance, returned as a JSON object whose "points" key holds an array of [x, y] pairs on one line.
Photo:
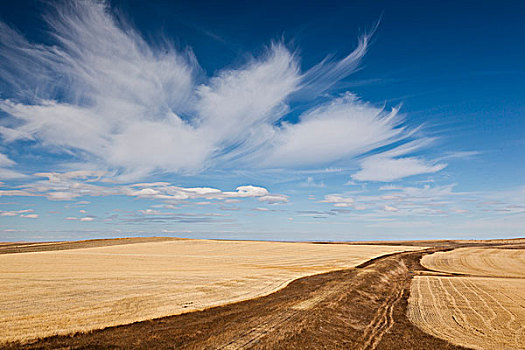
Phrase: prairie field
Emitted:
{"points": [[65, 291], [482, 308], [478, 262]]}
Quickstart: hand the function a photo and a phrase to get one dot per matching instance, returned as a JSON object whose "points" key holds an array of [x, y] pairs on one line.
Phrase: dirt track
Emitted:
{"points": [[359, 308]]}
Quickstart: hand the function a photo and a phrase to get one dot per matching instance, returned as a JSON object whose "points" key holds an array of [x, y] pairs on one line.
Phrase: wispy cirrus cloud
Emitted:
{"points": [[5, 172], [393, 165], [104, 94]]}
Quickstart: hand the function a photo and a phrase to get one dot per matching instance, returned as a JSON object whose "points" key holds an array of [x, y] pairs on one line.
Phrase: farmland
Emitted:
{"points": [[479, 262], [236, 295], [481, 306], [81, 289]]}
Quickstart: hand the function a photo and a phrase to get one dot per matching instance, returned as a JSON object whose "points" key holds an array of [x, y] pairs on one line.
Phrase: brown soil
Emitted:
{"points": [[358, 308]]}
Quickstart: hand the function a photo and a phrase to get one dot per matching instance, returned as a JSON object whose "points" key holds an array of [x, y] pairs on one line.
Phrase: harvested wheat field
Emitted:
{"points": [[357, 308], [475, 311], [89, 288], [478, 262]]}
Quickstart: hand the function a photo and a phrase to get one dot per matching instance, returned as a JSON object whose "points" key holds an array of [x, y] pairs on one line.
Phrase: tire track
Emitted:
{"points": [[258, 332], [384, 320], [378, 336], [265, 328]]}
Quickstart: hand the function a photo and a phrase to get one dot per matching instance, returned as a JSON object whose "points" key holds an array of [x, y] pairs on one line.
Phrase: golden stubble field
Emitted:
{"points": [[484, 309], [61, 292]]}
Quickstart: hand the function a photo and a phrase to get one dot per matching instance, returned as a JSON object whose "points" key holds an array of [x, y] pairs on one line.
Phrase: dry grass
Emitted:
{"points": [[478, 262], [60, 292], [473, 311]]}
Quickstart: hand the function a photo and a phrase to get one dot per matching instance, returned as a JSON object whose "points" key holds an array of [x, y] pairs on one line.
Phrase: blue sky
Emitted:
{"points": [[284, 121]]}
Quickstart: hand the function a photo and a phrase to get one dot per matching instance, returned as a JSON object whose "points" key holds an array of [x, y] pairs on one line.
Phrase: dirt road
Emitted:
{"points": [[358, 308]]}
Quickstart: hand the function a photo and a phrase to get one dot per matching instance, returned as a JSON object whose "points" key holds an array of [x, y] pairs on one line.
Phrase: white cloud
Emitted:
{"points": [[261, 209], [232, 201], [63, 186], [310, 182], [274, 199], [16, 212], [70, 185], [391, 169], [106, 96], [390, 166], [342, 128], [8, 174], [5, 161], [150, 212], [238, 106], [338, 201], [83, 219], [390, 209], [29, 216]]}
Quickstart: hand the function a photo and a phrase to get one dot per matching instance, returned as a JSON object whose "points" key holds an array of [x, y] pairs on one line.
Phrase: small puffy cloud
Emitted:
{"points": [[62, 196], [390, 209], [261, 209], [29, 216], [338, 200], [273, 199], [310, 182], [150, 212], [248, 191], [84, 219], [22, 213]]}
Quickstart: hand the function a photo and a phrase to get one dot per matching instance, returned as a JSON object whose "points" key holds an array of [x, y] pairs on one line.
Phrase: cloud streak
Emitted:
{"points": [[393, 165], [71, 185]]}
